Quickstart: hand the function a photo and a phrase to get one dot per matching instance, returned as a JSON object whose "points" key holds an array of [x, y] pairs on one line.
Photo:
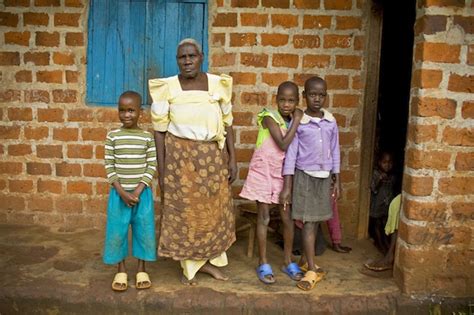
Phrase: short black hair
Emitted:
{"points": [[132, 94], [314, 79], [288, 85]]}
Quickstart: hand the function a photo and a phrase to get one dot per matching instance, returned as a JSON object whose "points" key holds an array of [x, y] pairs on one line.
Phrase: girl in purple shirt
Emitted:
{"points": [[312, 157]]}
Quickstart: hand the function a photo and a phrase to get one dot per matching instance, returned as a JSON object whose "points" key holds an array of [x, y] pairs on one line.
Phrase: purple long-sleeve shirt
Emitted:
{"points": [[315, 146]]}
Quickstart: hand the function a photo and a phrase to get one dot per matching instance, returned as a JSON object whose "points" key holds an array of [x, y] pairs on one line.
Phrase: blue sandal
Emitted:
{"points": [[263, 271], [293, 271]]}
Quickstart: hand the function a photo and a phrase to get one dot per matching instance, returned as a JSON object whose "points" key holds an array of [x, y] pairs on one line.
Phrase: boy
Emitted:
{"points": [[130, 162]]}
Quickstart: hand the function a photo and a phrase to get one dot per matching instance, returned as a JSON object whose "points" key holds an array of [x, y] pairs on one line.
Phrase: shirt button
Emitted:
{"points": [[320, 140]]}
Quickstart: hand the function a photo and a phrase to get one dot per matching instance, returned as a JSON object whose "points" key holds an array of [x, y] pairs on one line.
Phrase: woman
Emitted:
{"points": [[192, 118]]}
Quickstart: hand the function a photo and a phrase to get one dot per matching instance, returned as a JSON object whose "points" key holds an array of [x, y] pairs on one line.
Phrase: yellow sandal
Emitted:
{"points": [[120, 282], [310, 277], [143, 281]]}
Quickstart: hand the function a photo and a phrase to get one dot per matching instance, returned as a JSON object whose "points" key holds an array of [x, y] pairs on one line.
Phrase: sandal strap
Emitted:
{"points": [[120, 277], [143, 277], [294, 269], [265, 270]]}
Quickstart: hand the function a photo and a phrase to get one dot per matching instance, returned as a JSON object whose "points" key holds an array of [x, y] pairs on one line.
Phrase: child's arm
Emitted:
{"points": [[283, 142], [288, 171], [285, 195], [128, 198]]}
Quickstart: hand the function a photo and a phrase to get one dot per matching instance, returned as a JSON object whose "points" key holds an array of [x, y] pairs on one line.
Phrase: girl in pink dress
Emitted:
{"points": [[265, 181]]}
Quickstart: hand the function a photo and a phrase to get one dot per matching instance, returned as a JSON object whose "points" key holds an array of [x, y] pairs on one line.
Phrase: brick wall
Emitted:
{"points": [[262, 43], [435, 251]]}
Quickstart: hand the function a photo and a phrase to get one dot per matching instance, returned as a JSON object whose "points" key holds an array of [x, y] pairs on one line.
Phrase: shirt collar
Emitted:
{"points": [[327, 116]]}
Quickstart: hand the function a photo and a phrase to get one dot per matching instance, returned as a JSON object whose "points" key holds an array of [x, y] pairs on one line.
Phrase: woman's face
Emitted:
{"points": [[189, 61]]}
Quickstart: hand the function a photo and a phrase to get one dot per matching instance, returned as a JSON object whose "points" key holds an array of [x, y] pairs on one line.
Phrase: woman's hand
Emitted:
{"points": [[232, 170]]}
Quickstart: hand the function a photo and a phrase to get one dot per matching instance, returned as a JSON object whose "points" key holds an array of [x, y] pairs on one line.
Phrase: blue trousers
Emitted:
{"points": [[142, 219]]}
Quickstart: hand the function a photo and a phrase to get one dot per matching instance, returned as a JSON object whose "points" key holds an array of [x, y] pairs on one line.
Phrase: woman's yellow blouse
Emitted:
{"points": [[195, 115]]}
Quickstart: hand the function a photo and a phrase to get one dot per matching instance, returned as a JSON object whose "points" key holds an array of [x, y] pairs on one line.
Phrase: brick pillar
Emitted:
{"points": [[435, 248]]}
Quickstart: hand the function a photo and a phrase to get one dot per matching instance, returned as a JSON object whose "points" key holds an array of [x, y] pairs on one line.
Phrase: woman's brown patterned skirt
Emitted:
{"points": [[197, 219]]}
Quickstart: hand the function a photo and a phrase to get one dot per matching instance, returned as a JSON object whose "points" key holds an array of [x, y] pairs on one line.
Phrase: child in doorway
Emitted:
{"points": [[130, 163], [264, 180], [382, 192], [310, 160]]}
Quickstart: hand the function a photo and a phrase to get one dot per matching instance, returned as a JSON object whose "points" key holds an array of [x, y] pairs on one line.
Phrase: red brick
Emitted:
{"points": [[345, 100], [441, 3], [419, 259], [243, 118], [63, 58], [16, 3], [19, 149], [354, 158], [347, 138], [426, 79], [422, 133], [456, 185], [12, 202], [66, 134], [3, 184], [74, 3], [51, 114], [254, 98], [248, 136], [36, 96], [94, 170], [418, 186], [253, 19], [37, 58], [47, 39], [282, 4], [301, 78], [348, 22], [10, 96], [337, 41], [64, 96], [20, 186], [100, 151], [468, 109], [243, 78], [244, 3], [79, 151], [68, 169], [274, 79], [434, 236], [9, 132], [434, 107], [425, 211], [430, 24], [50, 219], [243, 172], [243, 39], [340, 119], [306, 41], [357, 83], [38, 203], [32, 18], [243, 155], [102, 188], [337, 4], [470, 55], [17, 38], [47, 3], [348, 62], [464, 161], [306, 4], [20, 114], [458, 136], [34, 168], [9, 58], [284, 20], [222, 60], [69, 205], [66, 19], [317, 21], [49, 151], [95, 134], [55, 76], [107, 115], [438, 160], [32, 133], [72, 76], [8, 19], [274, 40], [462, 211], [437, 52], [95, 205], [83, 114], [316, 61], [285, 60], [75, 39], [23, 76], [79, 221], [461, 83], [217, 40], [465, 22], [49, 186], [337, 82], [359, 42], [254, 60], [79, 188], [225, 20]]}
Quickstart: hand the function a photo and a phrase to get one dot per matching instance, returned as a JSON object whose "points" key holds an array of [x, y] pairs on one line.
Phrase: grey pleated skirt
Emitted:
{"points": [[311, 198]]}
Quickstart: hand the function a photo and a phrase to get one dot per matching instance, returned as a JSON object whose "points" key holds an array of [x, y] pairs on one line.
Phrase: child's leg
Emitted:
{"points": [[309, 238], [263, 218], [379, 231], [288, 233]]}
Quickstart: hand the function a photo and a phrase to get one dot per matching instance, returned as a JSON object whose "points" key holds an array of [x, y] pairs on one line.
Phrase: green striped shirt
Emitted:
{"points": [[130, 157]]}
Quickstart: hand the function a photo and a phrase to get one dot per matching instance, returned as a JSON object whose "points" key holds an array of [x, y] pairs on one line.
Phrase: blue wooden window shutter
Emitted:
{"points": [[131, 41]]}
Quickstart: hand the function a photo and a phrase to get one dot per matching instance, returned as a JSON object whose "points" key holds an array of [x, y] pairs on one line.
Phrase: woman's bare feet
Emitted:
{"points": [[214, 272]]}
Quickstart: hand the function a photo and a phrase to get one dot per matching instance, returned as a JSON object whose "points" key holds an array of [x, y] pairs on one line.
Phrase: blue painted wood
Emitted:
{"points": [[131, 41]]}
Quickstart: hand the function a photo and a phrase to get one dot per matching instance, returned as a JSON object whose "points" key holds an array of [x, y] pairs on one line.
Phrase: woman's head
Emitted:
{"points": [[189, 57], [287, 98]]}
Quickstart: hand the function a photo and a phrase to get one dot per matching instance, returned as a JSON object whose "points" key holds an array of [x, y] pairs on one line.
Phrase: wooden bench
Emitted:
{"points": [[249, 212]]}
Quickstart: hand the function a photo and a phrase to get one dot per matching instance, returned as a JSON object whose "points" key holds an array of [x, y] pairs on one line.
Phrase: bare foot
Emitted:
{"points": [[380, 265], [340, 248], [185, 281], [214, 272]]}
